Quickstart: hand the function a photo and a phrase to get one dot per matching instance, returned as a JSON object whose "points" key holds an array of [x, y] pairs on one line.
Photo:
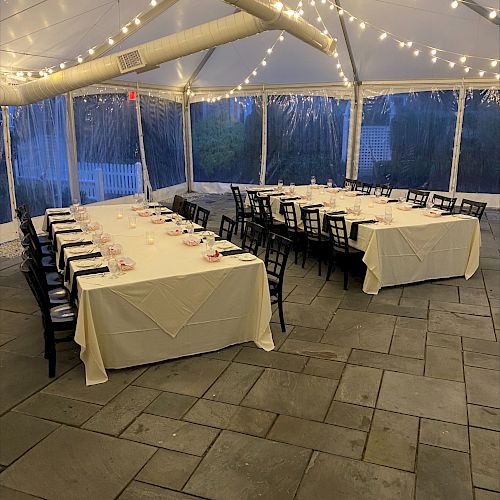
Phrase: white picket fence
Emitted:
{"points": [[98, 181]]}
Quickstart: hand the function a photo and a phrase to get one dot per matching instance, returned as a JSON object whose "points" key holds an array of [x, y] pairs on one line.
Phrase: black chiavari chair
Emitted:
{"points": [[178, 203], [188, 210], [349, 184], [314, 236], [385, 190], [443, 202], [253, 236], [294, 233], [266, 212], [253, 198], [417, 197], [241, 213], [201, 217], [363, 187], [471, 207], [227, 228]]}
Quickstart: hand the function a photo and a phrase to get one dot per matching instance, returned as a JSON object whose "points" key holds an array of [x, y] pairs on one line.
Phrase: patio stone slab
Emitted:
{"points": [[120, 412], [483, 416], [169, 404], [475, 297], [482, 346], [168, 469], [444, 435], [136, 490], [355, 301], [441, 362], [318, 436], [311, 316], [233, 385], [359, 385], [443, 340], [393, 440], [18, 433], [324, 368], [172, 434], [271, 359], [486, 495], [351, 416], [361, 330], [442, 474], [72, 385], [241, 466], [485, 458], [315, 350], [303, 294], [399, 310], [110, 462], [483, 386], [292, 394], [482, 360], [476, 310], [190, 376], [17, 300], [423, 397], [387, 362], [431, 291], [409, 343], [466, 325], [328, 474], [411, 323], [308, 334], [226, 416], [58, 409]]}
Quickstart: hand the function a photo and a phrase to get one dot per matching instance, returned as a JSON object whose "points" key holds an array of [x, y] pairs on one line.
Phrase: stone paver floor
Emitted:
{"points": [[395, 396]]}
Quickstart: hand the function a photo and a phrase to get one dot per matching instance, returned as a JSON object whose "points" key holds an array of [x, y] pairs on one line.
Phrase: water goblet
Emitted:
{"points": [[357, 206], [329, 183], [280, 184], [114, 267], [388, 214], [313, 180], [292, 187], [378, 192]]}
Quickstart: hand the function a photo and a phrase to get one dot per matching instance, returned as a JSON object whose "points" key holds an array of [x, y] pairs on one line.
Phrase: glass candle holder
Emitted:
{"points": [[150, 238], [119, 213], [132, 222]]}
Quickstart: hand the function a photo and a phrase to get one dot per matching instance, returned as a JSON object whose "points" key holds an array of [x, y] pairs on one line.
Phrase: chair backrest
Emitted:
{"points": [[349, 183], [444, 202], [253, 236], [364, 187], [226, 229], [31, 238], [311, 221], [266, 212], [288, 210], [337, 231], [178, 203], [277, 251], [238, 199], [418, 197], [21, 211], [38, 285], [471, 207], [201, 217], [253, 198], [385, 189], [188, 210]]}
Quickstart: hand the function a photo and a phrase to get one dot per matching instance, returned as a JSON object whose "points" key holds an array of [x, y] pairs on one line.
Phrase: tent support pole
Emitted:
{"points": [[188, 143], [358, 111], [263, 153], [146, 184], [74, 180], [456, 145], [8, 159], [348, 44]]}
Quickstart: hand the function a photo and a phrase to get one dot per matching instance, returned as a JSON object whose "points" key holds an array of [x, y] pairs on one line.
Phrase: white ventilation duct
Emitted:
{"points": [[151, 54]]}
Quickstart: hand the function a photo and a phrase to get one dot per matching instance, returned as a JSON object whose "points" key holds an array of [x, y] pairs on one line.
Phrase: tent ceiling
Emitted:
{"points": [[51, 31]]}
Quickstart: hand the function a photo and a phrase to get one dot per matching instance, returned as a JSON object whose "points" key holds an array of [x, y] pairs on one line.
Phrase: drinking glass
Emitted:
{"points": [[388, 214], [280, 184], [313, 180], [190, 227], [132, 221], [292, 187], [378, 191], [137, 198], [150, 238], [114, 267], [401, 199], [210, 239], [329, 183], [119, 213], [370, 201], [357, 206], [309, 193], [429, 205]]}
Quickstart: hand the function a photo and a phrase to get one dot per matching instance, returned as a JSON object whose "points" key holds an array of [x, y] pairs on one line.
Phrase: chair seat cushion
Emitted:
{"points": [[63, 313], [43, 239], [54, 279], [273, 285], [58, 296]]}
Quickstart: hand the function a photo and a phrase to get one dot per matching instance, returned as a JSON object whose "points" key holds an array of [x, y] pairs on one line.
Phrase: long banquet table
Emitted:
{"points": [[174, 303], [414, 247]]}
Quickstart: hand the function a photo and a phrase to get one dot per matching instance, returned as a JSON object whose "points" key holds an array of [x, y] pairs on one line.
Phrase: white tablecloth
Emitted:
{"points": [[173, 304], [413, 248]]}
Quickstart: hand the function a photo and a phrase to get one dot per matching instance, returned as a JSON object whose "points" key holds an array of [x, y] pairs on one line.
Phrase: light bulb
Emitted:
{"points": [[383, 36], [296, 14], [454, 4], [312, 2], [433, 52], [434, 59], [300, 4], [269, 50], [79, 59], [409, 44], [467, 69], [111, 41], [153, 3], [278, 5], [341, 73], [91, 52], [323, 1], [290, 12], [124, 29], [493, 64], [325, 32], [362, 25], [19, 73], [51, 71], [301, 12], [401, 44], [29, 74], [341, 11], [318, 19], [281, 38], [239, 87], [338, 65], [62, 65], [335, 54], [137, 21], [219, 98], [351, 19], [247, 81], [451, 64], [202, 98], [227, 95], [416, 52], [40, 72], [481, 73], [254, 72], [492, 15], [463, 59], [345, 78], [497, 76], [263, 62]]}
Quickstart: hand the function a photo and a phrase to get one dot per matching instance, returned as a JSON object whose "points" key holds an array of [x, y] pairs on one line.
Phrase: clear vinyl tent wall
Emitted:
{"points": [[439, 136]]}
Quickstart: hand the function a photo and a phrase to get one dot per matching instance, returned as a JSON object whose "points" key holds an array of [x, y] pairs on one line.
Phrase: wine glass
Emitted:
{"points": [[388, 214], [378, 192], [401, 199], [280, 184], [313, 180], [292, 187], [357, 206], [429, 205], [114, 267], [329, 183]]}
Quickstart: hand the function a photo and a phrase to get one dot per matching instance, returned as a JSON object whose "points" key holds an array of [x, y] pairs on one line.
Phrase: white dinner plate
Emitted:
{"points": [[245, 257], [464, 216], [88, 264], [79, 251], [224, 245]]}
